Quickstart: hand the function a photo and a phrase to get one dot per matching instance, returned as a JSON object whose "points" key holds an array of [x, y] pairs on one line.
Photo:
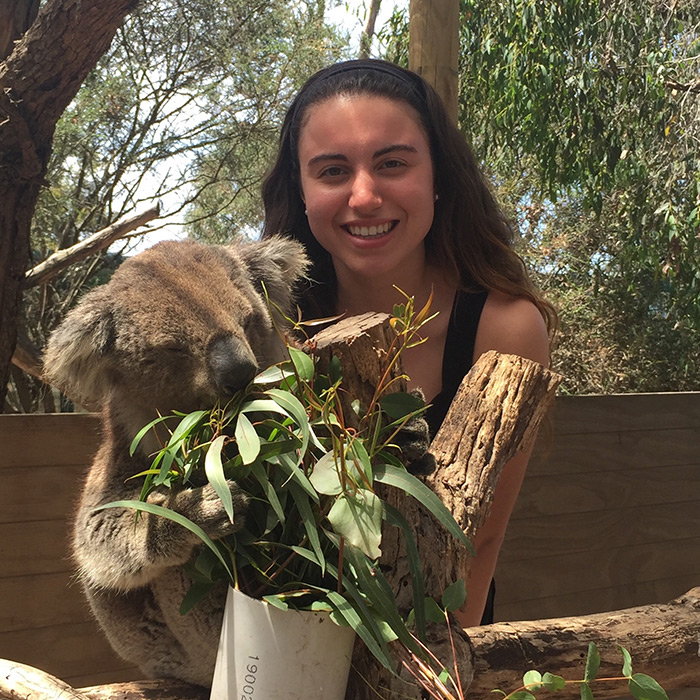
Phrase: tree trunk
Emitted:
{"points": [[38, 80], [433, 50]]}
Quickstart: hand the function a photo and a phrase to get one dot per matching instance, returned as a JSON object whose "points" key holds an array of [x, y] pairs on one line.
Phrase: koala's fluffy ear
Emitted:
{"points": [[76, 358], [278, 263]]}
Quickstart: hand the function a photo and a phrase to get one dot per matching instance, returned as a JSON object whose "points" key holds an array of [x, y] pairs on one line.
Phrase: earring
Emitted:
{"points": [[436, 197], [306, 212]]}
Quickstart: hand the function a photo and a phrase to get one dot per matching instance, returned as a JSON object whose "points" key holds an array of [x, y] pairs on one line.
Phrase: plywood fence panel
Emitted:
{"points": [[609, 513], [609, 517]]}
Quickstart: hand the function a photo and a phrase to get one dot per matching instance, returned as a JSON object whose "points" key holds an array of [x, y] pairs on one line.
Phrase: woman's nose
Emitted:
{"points": [[364, 195]]}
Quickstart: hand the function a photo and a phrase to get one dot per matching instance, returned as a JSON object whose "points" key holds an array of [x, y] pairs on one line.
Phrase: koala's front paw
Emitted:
{"points": [[204, 507], [414, 441]]}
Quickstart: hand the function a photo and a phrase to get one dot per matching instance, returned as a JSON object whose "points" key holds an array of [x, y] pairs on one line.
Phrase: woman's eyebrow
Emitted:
{"points": [[393, 148], [326, 156]]}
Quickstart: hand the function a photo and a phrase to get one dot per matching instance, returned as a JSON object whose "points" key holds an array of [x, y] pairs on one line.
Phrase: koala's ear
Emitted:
{"points": [[278, 263], [77, 354]]}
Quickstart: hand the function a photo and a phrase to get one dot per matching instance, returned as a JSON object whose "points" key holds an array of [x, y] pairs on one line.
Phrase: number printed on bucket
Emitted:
{"points": [[249, 679]]}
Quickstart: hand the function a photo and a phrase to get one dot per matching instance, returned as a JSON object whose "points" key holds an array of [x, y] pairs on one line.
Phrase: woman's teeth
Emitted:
{"points": [[369, 231]]}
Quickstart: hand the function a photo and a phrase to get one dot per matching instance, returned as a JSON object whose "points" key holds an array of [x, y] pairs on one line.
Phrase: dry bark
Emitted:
{"points": [[663, 640]]}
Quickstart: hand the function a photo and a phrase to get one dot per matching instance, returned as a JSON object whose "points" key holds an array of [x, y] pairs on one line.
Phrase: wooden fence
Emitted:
{"points": [[609, 517]]}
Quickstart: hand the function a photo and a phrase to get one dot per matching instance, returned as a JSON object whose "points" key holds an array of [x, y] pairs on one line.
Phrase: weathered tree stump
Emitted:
{"points": [[496, 412]]}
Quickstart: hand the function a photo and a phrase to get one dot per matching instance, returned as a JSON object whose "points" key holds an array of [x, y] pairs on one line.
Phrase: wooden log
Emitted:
{"points": [[22, 682], [146, 690], [664, 641]]}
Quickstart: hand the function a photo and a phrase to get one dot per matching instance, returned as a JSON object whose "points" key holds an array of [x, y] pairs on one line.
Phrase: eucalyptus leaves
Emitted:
{"points": [[313, 527], [641, 686]]}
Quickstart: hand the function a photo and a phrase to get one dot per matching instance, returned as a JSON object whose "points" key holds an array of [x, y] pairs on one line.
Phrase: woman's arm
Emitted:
{"points": [[513, 326]]}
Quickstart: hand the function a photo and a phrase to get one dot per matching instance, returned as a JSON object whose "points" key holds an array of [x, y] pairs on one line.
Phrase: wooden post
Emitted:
{"points": [[434, 47]]}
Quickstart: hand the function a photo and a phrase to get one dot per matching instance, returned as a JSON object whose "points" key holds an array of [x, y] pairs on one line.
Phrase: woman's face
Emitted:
{"points": [[367, 183]]}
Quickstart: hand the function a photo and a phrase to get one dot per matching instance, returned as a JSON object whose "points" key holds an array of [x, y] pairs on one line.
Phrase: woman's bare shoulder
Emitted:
{"points": [[512, 325]]}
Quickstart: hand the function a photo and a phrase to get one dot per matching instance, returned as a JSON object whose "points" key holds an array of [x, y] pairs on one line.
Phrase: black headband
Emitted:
{"points": [[407, 78]]}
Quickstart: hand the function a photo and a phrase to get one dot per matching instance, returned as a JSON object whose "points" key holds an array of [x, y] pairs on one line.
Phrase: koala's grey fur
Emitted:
{"points": [[177, 327]]}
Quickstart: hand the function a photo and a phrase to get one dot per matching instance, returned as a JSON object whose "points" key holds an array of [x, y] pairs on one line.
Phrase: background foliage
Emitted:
{"points": [[586, 115]]}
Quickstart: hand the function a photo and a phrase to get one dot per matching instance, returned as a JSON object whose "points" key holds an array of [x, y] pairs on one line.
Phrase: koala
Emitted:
{"points": [[177, 327]]}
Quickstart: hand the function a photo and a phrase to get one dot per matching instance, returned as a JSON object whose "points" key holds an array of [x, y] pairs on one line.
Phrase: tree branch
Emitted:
{"points": [[62, 259]]}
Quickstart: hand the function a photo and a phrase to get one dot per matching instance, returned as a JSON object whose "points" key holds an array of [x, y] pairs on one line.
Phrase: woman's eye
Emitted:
{"points": [[392, 164], [332, 171]]}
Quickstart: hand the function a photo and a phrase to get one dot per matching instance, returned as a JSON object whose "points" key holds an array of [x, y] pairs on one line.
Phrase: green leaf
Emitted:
{"points": [[533, 680], [360, 466], [357, 516], [303, 364], [586, 692], [270, 492], [454, 596], [325, 477], [198, 591], [247, 438], [592, 663], [304, 507], [276, 602], [139, 436], [291, 467], [263, 406], [351, 616], [644, 687], [401, 479], [434, 612], [522, 695], [273, 375], [154, 509], [400, 404], [394, 517], [215, 474], [552, 682], [186, 426], [626, 662], [296, 410]]}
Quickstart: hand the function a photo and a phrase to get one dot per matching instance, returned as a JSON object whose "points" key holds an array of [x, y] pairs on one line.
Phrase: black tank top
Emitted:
{"points": [[458, 356]]}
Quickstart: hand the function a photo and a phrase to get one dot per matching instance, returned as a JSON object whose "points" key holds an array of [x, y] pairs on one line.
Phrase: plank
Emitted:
{"points": [[510, 606], [34, 547], [583, 492], [67, 651], [41, 601], [578, 532], [48, 439], [609, 451], [544, 577], [609, 413], [40, 493]]}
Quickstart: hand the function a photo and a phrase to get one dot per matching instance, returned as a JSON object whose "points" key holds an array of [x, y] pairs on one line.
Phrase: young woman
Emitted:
{"points": [[384, 192]]}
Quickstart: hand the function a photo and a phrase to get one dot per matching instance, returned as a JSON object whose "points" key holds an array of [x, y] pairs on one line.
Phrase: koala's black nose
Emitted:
{"points": [[231, 363]]}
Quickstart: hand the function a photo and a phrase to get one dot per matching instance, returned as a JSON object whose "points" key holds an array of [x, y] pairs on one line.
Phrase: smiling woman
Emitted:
{"points": [[385, 194]]}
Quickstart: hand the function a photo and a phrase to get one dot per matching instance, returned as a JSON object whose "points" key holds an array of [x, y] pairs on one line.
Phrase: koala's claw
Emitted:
{"points": [[414, 442], [204, 508]]}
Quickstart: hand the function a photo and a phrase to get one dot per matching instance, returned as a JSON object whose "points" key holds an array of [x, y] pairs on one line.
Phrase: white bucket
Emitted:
{"points": [[270, 654]]}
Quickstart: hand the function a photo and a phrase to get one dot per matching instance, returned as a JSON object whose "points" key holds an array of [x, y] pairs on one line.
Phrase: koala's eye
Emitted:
{"points": [[176, 349]]}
